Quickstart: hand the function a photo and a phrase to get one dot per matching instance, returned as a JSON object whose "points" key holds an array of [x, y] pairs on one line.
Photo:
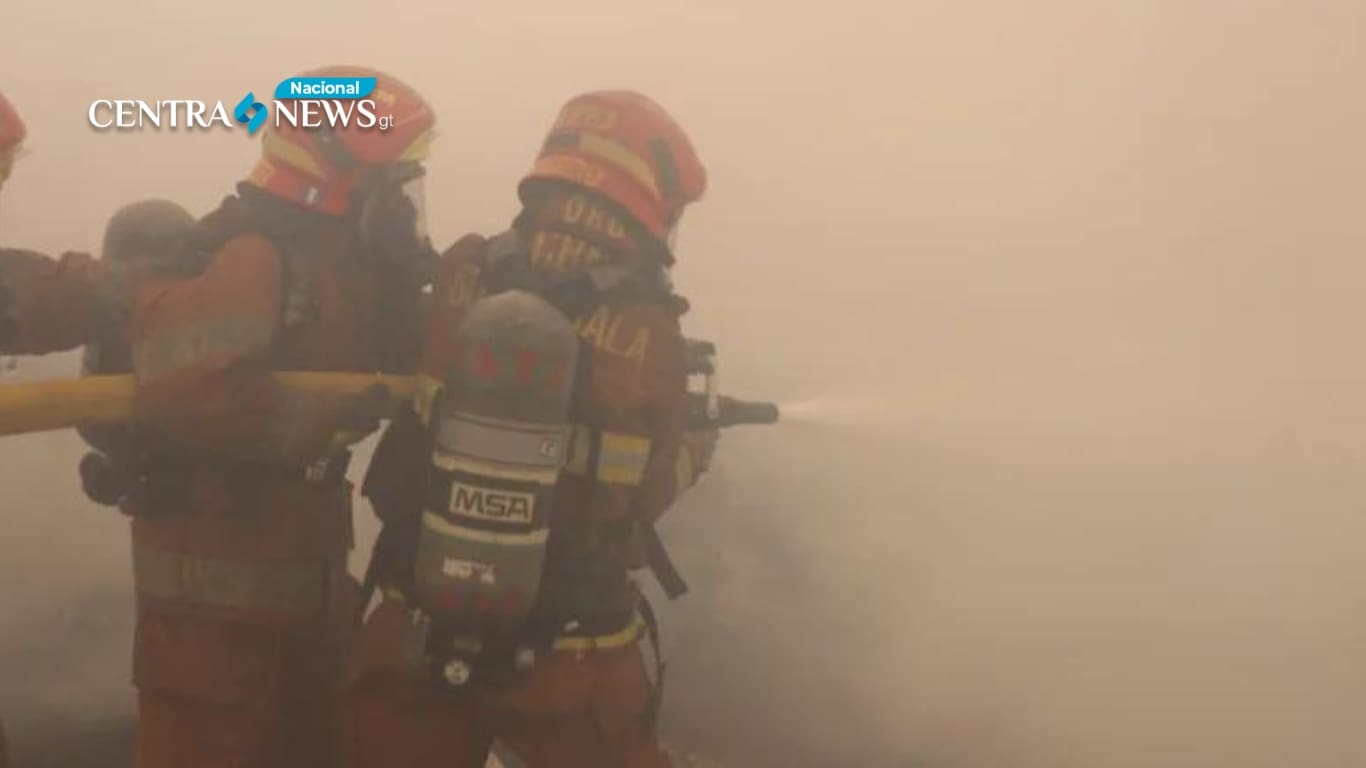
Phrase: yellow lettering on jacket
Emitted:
{"points": [[597, 219], [464, 288], [580, 210], [607, 331], [573, 209], [561, 252]]}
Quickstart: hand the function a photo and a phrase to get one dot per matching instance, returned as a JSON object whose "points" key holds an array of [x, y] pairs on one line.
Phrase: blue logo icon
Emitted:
{"points": [[250, 112]]}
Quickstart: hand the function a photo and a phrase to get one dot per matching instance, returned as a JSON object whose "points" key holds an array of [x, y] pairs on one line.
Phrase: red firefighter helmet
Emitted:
{"points": [[625, 147], [319, 168], [12, 133]]}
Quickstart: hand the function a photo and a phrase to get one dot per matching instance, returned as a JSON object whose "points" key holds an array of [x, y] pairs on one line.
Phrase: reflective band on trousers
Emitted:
{"points": [[186, 345], [618, 639], [573, 643], [283, 588]]}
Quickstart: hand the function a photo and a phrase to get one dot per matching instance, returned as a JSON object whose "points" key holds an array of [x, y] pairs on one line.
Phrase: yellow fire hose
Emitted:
{"points": [[43, 406]]}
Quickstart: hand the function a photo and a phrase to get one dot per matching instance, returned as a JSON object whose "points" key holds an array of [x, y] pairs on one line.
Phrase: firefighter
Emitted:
{"points": [[481, 637], [241, 524]]}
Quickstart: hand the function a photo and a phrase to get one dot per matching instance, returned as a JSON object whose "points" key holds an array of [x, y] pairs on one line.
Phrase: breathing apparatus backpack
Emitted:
{"points": [[121, 463], [502, 430]]}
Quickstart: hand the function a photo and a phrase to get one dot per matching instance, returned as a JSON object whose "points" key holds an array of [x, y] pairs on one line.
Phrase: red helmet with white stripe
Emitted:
{"points": [[320, 168]]}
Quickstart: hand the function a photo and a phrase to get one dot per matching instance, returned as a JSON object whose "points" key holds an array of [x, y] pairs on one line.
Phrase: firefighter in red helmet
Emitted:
{"points": [[241, 524], [520, 494]]}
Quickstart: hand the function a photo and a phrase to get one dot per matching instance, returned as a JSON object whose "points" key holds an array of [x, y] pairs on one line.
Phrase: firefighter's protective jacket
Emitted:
{"points": [[633, 402]]}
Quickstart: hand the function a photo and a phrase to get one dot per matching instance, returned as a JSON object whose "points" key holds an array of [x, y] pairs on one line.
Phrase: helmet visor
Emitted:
{"points": [[7, 157], [415, 190], [671, 233], [392, 212]]}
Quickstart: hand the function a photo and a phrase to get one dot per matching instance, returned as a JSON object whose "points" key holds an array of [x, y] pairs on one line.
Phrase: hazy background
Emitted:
{"points": [[1064, 298]]}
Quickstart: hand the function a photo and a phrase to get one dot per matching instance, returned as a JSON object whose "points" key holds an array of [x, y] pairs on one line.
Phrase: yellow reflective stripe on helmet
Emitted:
{"points": [[622, 157], [188, 345], [417, 151], [273, 145], [621, 458], [619, 639]]}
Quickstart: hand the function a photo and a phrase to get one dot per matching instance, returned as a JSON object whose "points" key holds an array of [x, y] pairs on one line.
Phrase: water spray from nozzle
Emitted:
{"points": [[835, 411]]}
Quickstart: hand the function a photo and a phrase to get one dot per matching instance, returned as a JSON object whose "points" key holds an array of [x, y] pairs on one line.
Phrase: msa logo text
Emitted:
{"points": [[487, 504]]}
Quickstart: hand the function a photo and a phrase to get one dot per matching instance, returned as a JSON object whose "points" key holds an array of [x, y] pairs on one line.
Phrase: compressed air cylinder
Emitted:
{"points": [[502, 431]]}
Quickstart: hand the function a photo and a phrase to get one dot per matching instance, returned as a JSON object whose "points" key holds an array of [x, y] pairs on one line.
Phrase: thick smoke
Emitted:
{"points": [[1062, 299]]}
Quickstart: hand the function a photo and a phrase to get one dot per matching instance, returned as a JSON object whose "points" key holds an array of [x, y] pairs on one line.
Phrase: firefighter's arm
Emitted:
{"points": [[202, 354], [677, 457], [53, 305]]}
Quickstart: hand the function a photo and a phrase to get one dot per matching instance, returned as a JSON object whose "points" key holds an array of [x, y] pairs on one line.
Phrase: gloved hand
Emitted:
{"points": [[360, 416], [701, 445], [315, 426], [102, 481]]}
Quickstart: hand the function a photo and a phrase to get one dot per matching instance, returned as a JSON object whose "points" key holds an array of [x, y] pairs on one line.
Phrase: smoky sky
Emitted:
{"points": [[1063, 299]]}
